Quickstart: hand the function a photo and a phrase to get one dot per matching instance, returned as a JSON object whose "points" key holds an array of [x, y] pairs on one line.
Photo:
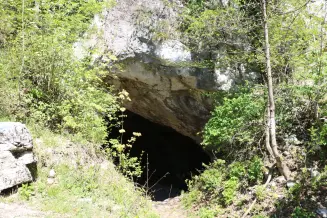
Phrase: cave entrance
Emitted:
{"points": [[169, 158]]}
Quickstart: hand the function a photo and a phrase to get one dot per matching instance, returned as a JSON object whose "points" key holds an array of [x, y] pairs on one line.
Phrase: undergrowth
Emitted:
{"points": [[236, 131], [86, 183], [220, 184]]}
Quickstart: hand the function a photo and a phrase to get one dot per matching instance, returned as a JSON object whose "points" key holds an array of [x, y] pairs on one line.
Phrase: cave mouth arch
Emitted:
{"points": [[169, 158]]}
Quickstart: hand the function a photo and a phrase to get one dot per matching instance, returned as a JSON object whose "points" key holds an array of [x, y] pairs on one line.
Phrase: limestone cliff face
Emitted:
{"points": [[154, 65]]}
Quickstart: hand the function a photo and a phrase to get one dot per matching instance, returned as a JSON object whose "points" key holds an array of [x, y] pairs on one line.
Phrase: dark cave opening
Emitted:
{"points": [[169, 158]]}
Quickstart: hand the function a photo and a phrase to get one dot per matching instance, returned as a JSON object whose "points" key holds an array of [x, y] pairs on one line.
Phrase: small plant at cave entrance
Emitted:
{"points": [[26, 191], [129, 166], [117, 149]]}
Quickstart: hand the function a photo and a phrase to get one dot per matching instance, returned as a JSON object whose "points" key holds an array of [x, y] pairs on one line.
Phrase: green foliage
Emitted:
{"points": [[234, 32], [221, 182], [307, 184], [255, 169], [260, 192], [46, 86], [301, 108], [211, 28], [320, 180], [259, 216], [296, 192], [318, 136], [26, 191], [207, 213], [237, 170], [102, 192], [119, 148], [299, 212], [192, 196], [80, 184], [230, 36], [236, 121], [45, 83], [230, 188], [129, 166], [85, 184]]}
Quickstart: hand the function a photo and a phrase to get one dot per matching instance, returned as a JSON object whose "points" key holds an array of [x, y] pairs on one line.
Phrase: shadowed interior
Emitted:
{"points": [[169, 158]]}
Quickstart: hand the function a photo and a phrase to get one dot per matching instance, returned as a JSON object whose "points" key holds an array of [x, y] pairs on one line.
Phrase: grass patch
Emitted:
{"points": [[86, 184]]}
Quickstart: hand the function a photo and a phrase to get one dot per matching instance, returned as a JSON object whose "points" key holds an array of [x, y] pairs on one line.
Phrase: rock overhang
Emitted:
{"points": [[164, 82]]}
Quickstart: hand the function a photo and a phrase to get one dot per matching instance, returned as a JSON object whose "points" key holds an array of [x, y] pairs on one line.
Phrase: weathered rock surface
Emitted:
{"points": [[16, 155], [154, 66], [156, 73]]}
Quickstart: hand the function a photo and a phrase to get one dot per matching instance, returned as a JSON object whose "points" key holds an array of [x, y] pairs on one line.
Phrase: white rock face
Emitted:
{"points": [[173, 51], [224, 79], [15, 154]]}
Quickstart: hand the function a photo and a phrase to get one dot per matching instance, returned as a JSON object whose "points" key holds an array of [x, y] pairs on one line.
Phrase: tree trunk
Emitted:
{"points": [[268, 147], [319, 95], [283, 169]]}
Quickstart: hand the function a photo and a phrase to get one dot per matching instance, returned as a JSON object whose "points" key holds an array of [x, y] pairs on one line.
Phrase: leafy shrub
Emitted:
{"points": [[237, 170], [236, 121], [44, 82], [299, 212], [230, 188], [207, 213], [192, 196], [211, 180], [219, 183], [320, 180], [26, 191], [255, 170]]}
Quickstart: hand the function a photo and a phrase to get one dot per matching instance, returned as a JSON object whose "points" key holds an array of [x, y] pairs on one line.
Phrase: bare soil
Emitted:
{"points": [[15, 210]]}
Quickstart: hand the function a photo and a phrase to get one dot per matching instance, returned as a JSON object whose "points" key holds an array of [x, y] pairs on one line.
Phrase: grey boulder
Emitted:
{"points": [[16, 155], [322, 212]]}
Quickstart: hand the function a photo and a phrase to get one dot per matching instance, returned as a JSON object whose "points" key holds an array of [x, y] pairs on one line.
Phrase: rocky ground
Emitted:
{"points": [[170, 208]]}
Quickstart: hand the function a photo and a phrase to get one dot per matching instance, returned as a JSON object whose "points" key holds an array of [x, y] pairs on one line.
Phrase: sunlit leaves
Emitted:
{"points": [[55, 89], [235, 120]]}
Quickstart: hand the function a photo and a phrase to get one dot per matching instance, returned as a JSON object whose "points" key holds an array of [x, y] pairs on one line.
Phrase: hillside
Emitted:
{"points": [[163, 108]]}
